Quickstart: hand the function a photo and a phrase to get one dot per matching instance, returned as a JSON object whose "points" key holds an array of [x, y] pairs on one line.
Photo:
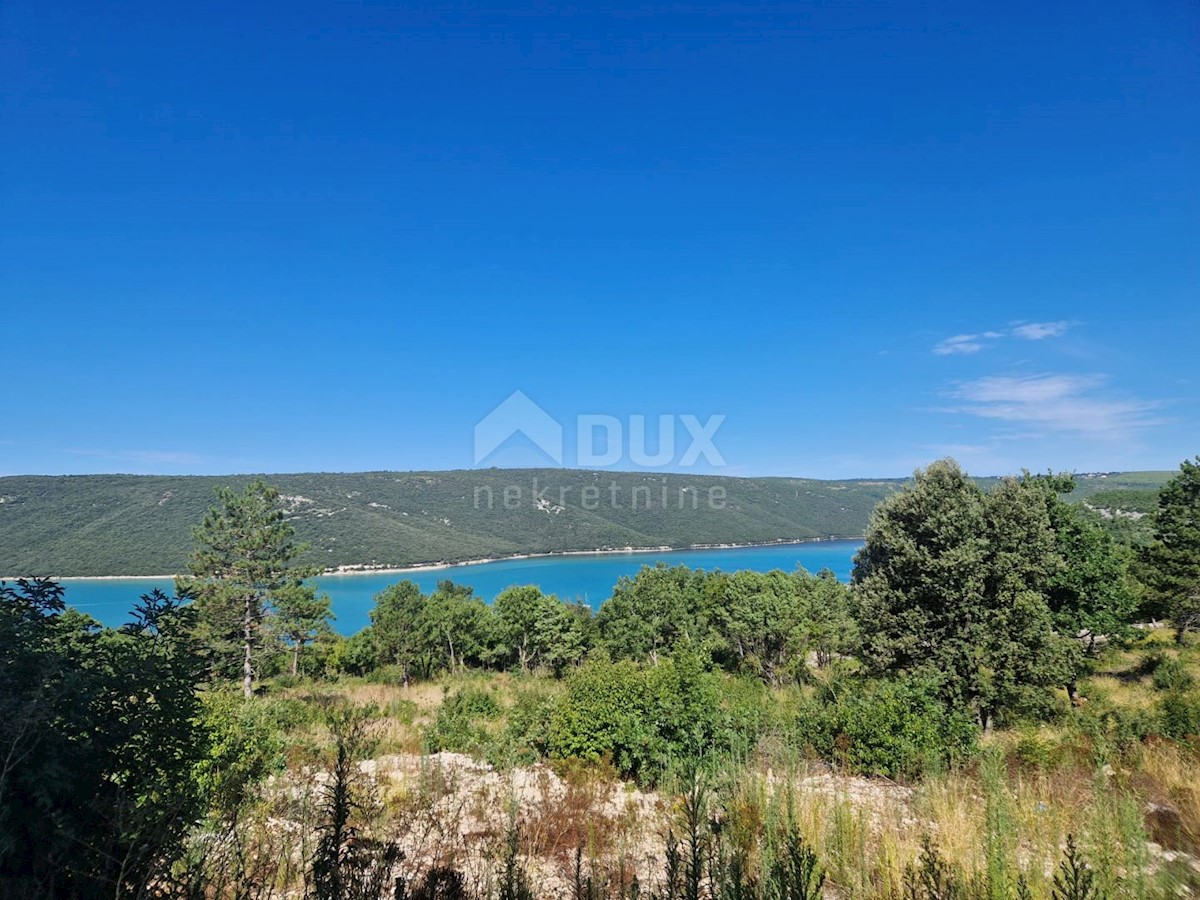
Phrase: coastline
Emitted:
{"points": [[364, 569], [369, 569]]}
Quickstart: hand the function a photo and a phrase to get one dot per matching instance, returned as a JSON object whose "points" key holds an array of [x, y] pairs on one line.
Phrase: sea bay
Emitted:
{"points": [[585, 577]]}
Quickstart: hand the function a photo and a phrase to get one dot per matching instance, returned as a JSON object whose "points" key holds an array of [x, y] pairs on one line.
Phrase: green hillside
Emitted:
{"points": [[1125, 512], [133, 525]]}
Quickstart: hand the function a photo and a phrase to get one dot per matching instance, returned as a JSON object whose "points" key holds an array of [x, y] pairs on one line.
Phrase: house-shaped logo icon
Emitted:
{"points": [[518, 415]]}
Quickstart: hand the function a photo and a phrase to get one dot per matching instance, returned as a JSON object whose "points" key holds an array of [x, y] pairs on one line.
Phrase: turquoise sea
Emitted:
{"points": [[586, 577]]}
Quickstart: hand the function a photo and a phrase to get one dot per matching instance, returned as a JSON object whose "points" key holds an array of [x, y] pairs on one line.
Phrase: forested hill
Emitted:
{"points": [[141, 524]]}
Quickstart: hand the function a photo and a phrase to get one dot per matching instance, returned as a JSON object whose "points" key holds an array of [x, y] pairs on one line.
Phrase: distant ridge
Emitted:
{"points": [[141, 524]]}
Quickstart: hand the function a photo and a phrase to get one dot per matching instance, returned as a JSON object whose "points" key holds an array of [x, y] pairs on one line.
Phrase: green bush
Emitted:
{"points": [[1180, 714], [898, 728], [1108, 726], [644, 719], [245, 744], [606, 715], [402, 710], [385, 675], [685, 706], [1171, 675], [747, 711], [1038, 751], [464, 722], [526, 735], [355, 655]]}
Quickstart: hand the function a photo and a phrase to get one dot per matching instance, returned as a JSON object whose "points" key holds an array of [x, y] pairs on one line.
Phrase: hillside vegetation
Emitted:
{"points": [[980, 714], [141, 525]]}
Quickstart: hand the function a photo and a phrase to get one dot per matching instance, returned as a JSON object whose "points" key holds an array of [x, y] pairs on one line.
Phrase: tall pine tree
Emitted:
{"points": [[1173, 560], [244, 558]]}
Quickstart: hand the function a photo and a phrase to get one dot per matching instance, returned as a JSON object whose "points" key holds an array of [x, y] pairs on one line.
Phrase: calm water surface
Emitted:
{"points": [[589, 578]]}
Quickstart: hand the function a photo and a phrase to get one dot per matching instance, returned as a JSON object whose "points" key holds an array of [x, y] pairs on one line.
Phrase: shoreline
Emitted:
{"points": [[369, 569]]}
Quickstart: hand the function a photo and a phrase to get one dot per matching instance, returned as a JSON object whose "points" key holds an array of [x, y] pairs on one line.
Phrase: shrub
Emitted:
{"points": [[385, 675], [685, 708], [1073, 880], [604, 716], [644, 719], [355, 655], [402, 710], [1109, 727], [931, 877], [897, 727], [1180, 714], [245, 744], [1039, 750], [747, 711], [527, 730], [462, 723], [1171, 675]]}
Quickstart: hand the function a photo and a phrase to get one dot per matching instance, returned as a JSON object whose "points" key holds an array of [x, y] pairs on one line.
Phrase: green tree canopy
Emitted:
{"points": [[458, 625], [98, 738], [398, 626], [1173, 560], [300, 617], [919, 577], [760, 617], [769, 622], [535, 629], [649, 614], [244, 557], [1092, 595], [992, 593]]}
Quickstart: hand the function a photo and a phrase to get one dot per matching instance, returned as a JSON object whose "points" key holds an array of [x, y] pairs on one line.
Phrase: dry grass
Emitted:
{"points": [[1169, 775], [865, 831], [448, 810], [1120, 691]]}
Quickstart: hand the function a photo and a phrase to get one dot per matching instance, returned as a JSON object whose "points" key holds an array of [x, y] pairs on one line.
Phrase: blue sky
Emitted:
{"points": [[333, 236]]}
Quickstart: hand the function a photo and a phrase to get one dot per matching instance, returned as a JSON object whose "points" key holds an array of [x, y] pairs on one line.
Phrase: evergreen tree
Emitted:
{"points": [[761, 617], [244, 557], [976, 589], [533, 629], [519, 610], [919, 581], [1173, 560], [1092, 596], [398, 626], [649, 614], [561, 637], [1019, 654], [300, 617], [831, 626]]}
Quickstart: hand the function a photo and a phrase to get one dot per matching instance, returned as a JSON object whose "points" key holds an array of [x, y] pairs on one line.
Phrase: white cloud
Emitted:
{"points": [[1037, 331], [960, 343], [1065, 403], [973, 343]]}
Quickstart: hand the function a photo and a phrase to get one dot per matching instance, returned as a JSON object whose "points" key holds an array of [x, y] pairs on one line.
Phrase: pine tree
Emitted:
{"points": [[1173, 560], [244, 557], [300, 616]]}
